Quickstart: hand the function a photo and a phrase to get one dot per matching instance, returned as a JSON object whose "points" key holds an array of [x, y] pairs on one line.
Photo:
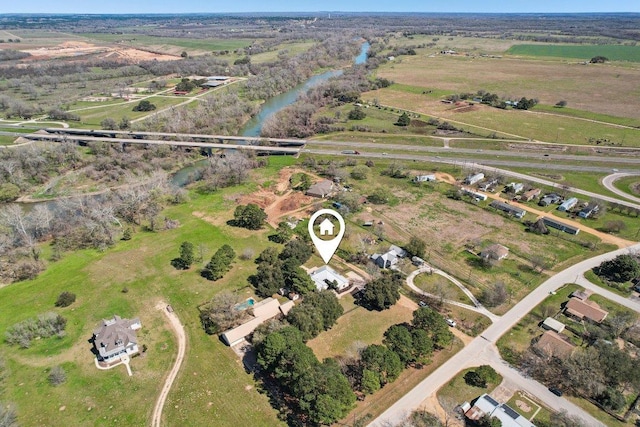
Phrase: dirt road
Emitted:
{"points": [[156, 418]]}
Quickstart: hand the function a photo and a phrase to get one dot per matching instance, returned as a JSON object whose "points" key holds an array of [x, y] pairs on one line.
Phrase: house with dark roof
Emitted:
{"points": [[389, 258], [589, 210], [549, 222], [549, 199], [115, 338], [555, 344], [511, 210]]}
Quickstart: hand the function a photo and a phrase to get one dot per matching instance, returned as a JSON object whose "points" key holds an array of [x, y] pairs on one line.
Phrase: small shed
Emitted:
{"points": [[552, 324]]}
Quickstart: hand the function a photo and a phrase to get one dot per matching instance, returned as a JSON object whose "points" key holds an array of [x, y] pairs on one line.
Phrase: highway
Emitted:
{"points": [[482, 350]]}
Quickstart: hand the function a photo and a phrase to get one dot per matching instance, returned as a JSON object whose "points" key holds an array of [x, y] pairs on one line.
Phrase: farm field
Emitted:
{"points": [[549, 82], [584, 52]]}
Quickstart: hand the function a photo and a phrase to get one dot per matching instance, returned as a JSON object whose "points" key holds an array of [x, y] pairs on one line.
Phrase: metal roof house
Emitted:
{"points": [[425, 178], [560, 226], [511, 210], [115, 338], [486, 405], [473, 179], [552, 324], [262, 311], [568, 204], [588, 210]]}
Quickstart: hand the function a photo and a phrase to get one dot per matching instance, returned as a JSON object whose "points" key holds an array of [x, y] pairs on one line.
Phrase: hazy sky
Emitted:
{"points": [[212, 6]]}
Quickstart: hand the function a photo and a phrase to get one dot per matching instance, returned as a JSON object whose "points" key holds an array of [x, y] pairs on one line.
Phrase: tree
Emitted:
{"points": [[8, 192], [370, 382], [296, 251], [220, 263], [318, 312], [270, 275], [494, 295], [379, 196], [403, 120], [416, 247], [487, 421], [383, 292], [431, 321], [283, 233], [186, 258], [57, 376], [249, 216], [620, 269], [144, 105], [124, 124], [599, 59], [222, 313], [399, 340], [472, 378], [561, 104], [357, 114], [360, 172], [383, 361], [611, 399], [184, 54], [65, 299]]}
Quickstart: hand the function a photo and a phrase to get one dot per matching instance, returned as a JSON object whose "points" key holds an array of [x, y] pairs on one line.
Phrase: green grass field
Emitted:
{"points": [[93, 117], [457, 391], [627, 184], [585, 52]]}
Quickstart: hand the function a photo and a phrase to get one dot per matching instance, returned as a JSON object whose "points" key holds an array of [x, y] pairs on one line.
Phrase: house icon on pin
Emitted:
{"points": [[326, 228]]}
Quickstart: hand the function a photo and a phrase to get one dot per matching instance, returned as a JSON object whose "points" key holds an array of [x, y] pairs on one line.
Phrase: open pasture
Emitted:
{"points": [[585, 52]]}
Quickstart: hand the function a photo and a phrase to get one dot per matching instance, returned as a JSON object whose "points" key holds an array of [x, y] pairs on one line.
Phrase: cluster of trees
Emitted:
{"points": [[249, 216], [481, 376], [219, 264], [599, 59], [318, 312], [494, 100], [144, 105], [601, 372], [494, 295], [319, 392], [383, 292], [277, 270], [44, 326], [620, 269], [59, 114], [403, 120]]}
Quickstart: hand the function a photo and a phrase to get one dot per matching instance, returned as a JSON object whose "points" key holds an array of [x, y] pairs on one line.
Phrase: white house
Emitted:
{"points": [[326, 227], [425, 178], [486, 405], [324, 276], [473, 179], [116, 338], [568, 204], [389, 258]]}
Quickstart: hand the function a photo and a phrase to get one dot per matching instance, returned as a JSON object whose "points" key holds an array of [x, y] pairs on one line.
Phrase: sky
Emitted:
{"points": [[213, 6]]}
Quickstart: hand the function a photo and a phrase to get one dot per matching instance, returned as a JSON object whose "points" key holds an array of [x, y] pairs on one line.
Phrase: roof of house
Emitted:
{"points": [[398, 251], [262, 311], [567, 204], [553, 324], [532, 193], [114, 334], [495, 251], [486, 405], [584, 308], [579, 294], [554, 344], [507, 207], [560, 225], [286, 307], [324, 275], [320, 189]]}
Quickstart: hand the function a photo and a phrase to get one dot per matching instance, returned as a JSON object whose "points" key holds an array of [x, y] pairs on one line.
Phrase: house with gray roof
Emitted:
{"points": [[321, 189], [389, 258], [325, 276], [486, 405], [115, 338]]}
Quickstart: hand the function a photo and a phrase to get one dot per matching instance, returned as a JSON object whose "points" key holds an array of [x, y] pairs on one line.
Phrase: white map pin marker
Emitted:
{"points": [[326, 248]]}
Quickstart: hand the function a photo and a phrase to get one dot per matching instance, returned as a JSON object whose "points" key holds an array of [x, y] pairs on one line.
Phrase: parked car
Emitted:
{"points": [[423, 304], [451, 323], [555, 391]]}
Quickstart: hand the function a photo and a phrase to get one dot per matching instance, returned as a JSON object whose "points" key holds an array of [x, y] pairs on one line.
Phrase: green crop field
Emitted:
{"points": [[586, 52]]}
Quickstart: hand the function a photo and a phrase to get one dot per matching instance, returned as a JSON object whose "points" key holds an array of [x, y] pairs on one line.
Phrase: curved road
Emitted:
{"points": [[608, 181], [156, 418], [483, 350], [477, 307]]}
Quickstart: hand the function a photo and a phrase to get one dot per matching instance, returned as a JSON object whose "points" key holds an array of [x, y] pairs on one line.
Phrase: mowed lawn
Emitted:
{"points": [[357, 326], [212, 387], [94, 116]]}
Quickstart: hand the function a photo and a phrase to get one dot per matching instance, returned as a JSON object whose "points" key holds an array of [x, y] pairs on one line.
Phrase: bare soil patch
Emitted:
{"points": [[523, 406], [75, 48]]}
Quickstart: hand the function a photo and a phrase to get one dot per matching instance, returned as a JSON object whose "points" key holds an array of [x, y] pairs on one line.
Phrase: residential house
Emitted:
{"points": [[474, 194], [485, 186], [486, 405], [321, 189], [514, 187], [325, 276], [568, 204], [116, 338], [589, 210], [389, 258], [585, 309], [554, 344], [425, 178], [496, 252], [560, 226], [262, 311], [552, 324], [511, 210], [550, 199], [530, 194], [473, 179]]}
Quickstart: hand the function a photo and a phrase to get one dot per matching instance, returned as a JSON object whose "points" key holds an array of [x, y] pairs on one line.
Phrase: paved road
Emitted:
{"points": [[482, 350], [608, 181], [156, 418]]}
